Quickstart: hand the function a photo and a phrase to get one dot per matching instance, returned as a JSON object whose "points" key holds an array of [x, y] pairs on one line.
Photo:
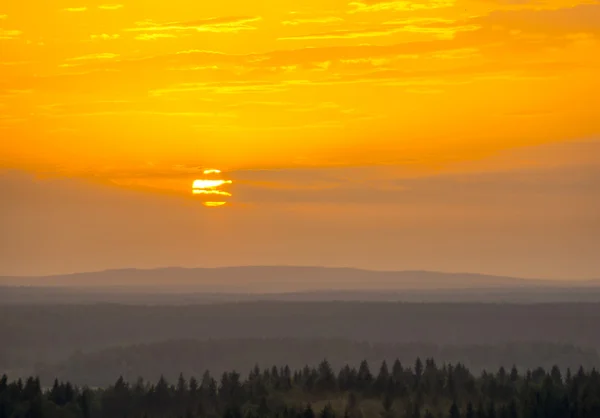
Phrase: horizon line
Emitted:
{"points": [[296, 266]]}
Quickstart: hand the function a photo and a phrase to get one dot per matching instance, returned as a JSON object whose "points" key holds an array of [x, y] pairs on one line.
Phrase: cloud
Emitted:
{"points": [[443, 32], [105, 37], [485, 44], [217, 25], [419, 21], [110, 6], [330, 19], [194, 68], [187, 114], [2, 17], [7, 34], [378, 6], [305, 55], [273, 62], [258, 86], [154, 36], [11, 63], [222, 87], [99, 56], [369, 62], [581, 18], [424, 80], [344, 34], [75, 9]]}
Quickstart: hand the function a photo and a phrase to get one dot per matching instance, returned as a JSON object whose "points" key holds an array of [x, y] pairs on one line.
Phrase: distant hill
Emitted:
{"points": [[274, 279]]}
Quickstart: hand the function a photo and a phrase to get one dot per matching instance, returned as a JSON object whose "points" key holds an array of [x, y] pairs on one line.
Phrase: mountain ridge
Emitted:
{"points": [[277, 279]]}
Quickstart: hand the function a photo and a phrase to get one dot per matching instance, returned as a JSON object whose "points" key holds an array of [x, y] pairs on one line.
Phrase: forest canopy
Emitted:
{"points": [[423, 389]]}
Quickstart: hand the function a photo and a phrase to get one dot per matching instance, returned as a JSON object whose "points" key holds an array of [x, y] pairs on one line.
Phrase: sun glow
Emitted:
{"points": [[210, 187], [209, 184], [211, 192]]}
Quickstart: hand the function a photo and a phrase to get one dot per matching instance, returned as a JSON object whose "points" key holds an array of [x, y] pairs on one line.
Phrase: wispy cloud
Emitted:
{"points": [[373, 62], [419, 21], [194, 68], [110, 6], [217, 25], [2, 17], [234, 87], [75, 9], [143, 112], [100, 56], [344, 34], [257, 86], [441, 30], [316, 20], [105, 37], [154, 36], [378, 6], [7, 34]]}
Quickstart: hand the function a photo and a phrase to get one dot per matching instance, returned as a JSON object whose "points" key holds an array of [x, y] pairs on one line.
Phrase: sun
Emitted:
{"points": [[209, 188]]}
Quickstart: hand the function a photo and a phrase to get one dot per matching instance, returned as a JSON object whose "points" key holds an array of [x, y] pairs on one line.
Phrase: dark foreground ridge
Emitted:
{"points": [[426, 390]]}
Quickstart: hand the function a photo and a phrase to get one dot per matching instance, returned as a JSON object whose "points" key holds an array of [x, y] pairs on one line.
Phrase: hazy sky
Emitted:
{"points": [[441, 135]]}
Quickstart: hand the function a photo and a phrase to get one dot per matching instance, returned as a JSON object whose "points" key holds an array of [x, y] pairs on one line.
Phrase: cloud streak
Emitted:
{"points": [[315, 20], [75, 9], [105, 37], [344, 34], [110, 6], [442, 32], [215, 25], [397, 6], [98, 56], [154, 36], [9, 34]]}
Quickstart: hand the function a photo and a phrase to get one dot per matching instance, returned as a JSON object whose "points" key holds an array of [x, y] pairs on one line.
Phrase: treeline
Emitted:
{"points": [[424, 390], [150, 361]]}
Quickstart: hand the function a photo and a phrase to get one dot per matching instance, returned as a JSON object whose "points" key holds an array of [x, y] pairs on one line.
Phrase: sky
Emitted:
{"points": [[449, 135]]}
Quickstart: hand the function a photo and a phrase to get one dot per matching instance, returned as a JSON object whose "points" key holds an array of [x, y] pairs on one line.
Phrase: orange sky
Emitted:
{"points": [[319, 106]]}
